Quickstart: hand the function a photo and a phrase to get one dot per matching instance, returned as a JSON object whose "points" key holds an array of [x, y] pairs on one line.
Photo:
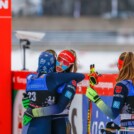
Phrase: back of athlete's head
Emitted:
{"points": [[127, 70], [66, 61], [52, 52], [46, 63], [74, 67], [121, 60]]}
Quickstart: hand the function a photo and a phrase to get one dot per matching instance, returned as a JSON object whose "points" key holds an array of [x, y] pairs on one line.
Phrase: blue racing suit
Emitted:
{"points": [[122, 104], [42, 92], [60, 122]]}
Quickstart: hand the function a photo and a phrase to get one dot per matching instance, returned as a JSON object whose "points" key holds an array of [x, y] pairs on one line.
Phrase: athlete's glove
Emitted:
{"points": [[92, 95], [25, 100], [93, 76], [112, 125], [28, 116]]}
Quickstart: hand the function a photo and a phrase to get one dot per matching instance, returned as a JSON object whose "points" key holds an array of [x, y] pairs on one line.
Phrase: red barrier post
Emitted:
{"points": [[5, 67]]}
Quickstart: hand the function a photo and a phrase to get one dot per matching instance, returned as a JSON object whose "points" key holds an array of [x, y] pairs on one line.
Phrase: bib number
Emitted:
{"points": [[32, 96]]}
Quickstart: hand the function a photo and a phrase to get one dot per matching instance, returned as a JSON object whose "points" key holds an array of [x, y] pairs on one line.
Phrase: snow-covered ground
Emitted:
{"points": [[105, 62]]}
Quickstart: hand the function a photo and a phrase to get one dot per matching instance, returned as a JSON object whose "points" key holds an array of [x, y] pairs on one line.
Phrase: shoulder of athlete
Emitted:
{"points": [[121, 88], [31, 76], [72, 85]]}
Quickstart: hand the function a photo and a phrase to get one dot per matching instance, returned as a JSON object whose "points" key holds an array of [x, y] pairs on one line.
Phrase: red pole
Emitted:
{"points": [[5, 67]]}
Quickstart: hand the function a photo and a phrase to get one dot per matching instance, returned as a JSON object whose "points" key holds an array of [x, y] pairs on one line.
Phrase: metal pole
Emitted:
{"points": [[26, 45], [24, 57]]}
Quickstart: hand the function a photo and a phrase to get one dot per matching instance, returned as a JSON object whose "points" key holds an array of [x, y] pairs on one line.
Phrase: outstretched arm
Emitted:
{"points": [[54, 80], [120, 92], [93, 96], [65, 98]]}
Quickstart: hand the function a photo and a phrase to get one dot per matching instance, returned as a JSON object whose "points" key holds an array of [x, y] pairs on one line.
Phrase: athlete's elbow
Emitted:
{"points": [[82, 76]]}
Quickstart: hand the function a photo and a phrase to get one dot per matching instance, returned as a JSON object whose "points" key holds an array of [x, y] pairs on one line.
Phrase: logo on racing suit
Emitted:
{"points": [[74, 83], [118, 89], [49, 101], [68, 94], [116, 104]]}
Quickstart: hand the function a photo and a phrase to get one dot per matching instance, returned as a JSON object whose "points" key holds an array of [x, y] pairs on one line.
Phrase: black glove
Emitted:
{"points": [[25, 100], [112, 125], [28, 116]]}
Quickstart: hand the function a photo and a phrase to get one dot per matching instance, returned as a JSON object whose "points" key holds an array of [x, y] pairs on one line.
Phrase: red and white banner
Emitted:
{"points": [[5, 66], [104, 87]]}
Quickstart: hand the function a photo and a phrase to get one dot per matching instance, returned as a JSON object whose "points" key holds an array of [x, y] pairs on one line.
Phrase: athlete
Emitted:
{"points": [[60, 122], [123, 97], [66, 62], [25, 99], [42, 90]]}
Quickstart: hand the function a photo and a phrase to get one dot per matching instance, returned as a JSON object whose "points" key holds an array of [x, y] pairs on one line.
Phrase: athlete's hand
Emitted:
{"points": [[93, 76], [92, 95], [25, 101], [112, 125], [28, 116]]}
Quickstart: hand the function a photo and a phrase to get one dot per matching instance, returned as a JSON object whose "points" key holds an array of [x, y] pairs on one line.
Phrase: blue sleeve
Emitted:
{"points": [[65, 98], [120, 94], [54, 80]]}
